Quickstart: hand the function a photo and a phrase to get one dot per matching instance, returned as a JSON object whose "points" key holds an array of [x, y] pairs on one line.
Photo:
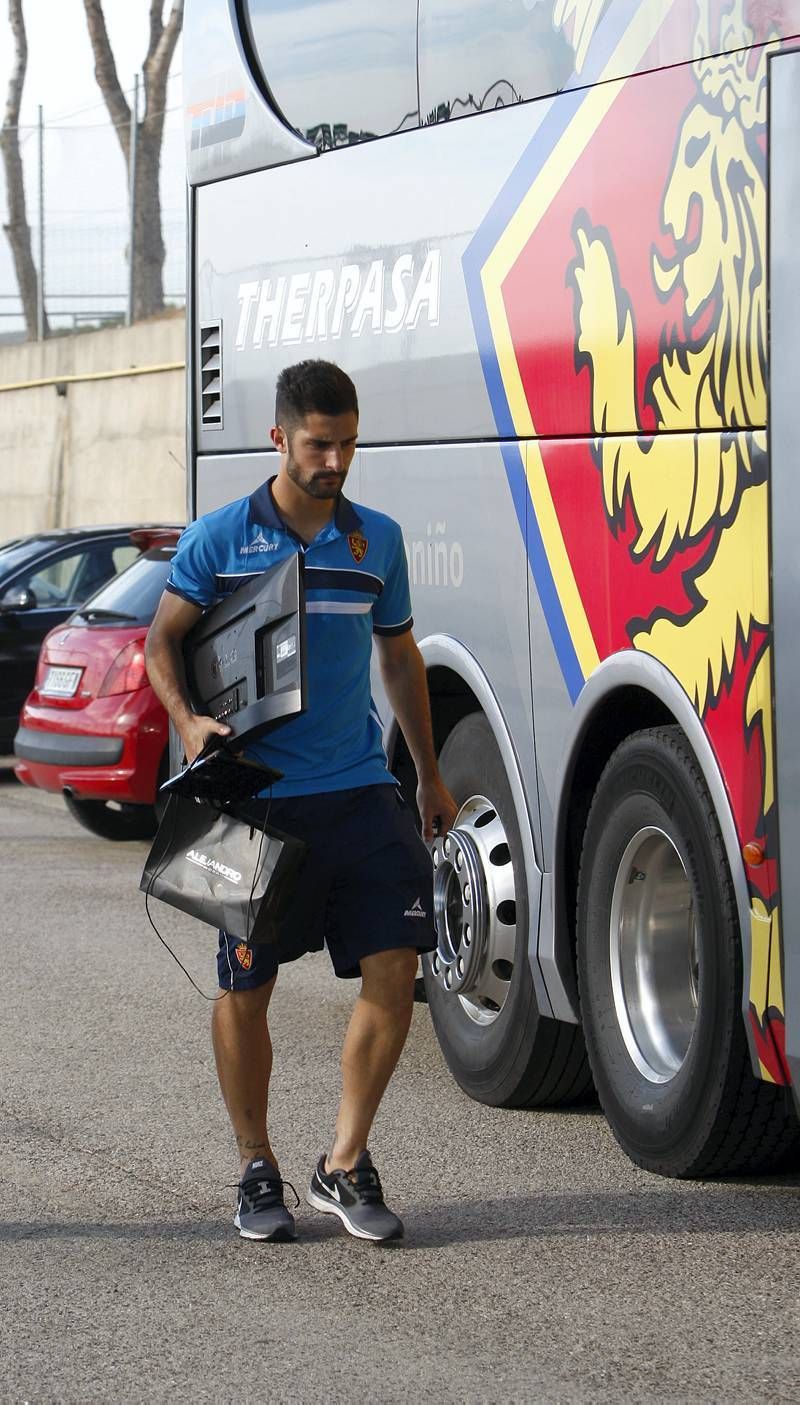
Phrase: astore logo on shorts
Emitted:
{"points": [[416, 910]]}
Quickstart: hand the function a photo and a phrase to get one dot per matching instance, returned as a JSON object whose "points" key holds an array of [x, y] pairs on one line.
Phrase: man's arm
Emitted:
{"points": [[403, 672], [164, 657]]}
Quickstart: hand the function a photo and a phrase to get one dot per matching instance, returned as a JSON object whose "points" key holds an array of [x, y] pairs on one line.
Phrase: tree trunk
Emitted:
{"points": [[18, 231], [148, 242], [17, 228]]}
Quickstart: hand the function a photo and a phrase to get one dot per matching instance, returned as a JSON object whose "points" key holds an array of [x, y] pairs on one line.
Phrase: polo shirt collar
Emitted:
{"points": [[346, 518], [264, 511]]}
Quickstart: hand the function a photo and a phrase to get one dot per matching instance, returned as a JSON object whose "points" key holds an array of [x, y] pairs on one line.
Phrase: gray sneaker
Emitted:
{"points": [[356, 1197], [261, 1213]]}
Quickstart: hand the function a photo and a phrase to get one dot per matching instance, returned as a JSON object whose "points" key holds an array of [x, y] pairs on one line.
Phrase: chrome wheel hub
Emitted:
{"points": [[655, 969], [475, 911]]}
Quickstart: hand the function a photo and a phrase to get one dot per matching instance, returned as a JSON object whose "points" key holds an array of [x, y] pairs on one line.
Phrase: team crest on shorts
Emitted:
{"points": [[244, 955], [358, 546]]}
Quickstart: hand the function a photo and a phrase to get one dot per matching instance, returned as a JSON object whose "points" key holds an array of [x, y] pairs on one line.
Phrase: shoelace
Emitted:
{"points": [[269, 1191], [366, 1183]]}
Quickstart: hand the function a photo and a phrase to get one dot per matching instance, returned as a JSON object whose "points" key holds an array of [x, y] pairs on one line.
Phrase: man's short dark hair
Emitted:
{"points": [[313, 387]]}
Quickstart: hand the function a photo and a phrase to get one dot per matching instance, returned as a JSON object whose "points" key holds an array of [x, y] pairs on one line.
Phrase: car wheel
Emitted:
{"points": [[660, 972], [112, 821], [478, 981]]}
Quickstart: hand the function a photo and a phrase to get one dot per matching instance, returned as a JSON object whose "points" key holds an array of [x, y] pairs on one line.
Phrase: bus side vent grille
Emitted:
{"points": [[211, 375]]}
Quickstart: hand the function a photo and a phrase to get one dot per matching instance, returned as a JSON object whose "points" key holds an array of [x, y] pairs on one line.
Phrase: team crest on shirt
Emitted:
{"points": [[358, 547], [244, 955]]}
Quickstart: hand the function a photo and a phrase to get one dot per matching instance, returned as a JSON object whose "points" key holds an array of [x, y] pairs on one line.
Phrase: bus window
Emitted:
{"points": [[489, 54], [478, 55], [340, 71]]}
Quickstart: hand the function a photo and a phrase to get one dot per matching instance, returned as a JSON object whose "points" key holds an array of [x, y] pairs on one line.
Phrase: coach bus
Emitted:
{"points": [[553, 242]]}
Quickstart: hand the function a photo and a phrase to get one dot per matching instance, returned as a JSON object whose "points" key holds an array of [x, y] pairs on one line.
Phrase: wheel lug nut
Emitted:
{"points": [[467, 893]]}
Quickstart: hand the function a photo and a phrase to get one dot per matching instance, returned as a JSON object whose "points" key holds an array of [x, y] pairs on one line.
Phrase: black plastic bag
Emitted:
{"points": [[232, 873]]}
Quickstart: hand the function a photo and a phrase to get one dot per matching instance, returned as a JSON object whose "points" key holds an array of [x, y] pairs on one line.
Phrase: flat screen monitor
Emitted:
{"points": [[245, 658]]}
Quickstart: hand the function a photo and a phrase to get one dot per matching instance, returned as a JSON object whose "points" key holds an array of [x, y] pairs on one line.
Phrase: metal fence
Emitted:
{"points": [[78, 204]]}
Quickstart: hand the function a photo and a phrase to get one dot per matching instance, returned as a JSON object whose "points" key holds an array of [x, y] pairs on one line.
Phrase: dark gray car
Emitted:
{"points": [[43, 579]]}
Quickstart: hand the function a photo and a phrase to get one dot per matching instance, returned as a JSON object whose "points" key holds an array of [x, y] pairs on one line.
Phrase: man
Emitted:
{"points": [[367, 884]]}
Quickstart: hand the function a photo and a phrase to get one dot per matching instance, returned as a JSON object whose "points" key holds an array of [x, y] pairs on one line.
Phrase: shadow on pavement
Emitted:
{"points": [[747, 1208]]}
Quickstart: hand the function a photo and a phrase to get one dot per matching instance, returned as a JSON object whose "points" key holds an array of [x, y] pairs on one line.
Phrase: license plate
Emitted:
{"points": [[62, 682]]}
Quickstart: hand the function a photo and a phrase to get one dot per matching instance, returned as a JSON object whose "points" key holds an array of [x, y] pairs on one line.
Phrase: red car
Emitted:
{"points": [[92, 727]]}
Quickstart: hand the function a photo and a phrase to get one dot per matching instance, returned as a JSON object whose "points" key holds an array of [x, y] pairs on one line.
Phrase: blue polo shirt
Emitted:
{"points": [[356, 582]]}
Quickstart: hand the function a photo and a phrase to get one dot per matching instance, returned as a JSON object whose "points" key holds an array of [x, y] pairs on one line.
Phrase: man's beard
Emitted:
{"points": [[317, 484]]}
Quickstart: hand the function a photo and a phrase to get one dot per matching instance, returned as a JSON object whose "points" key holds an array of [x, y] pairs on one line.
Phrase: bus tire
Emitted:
{"points": [[660, 973], [515, 1058]]}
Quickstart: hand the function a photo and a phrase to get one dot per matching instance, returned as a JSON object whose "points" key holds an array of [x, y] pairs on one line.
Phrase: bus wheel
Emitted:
{"points": [[478, 981], [660, 972]]}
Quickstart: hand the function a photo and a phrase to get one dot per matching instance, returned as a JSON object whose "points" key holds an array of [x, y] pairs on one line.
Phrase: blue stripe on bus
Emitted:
{"points": [[540, 569], [560, 114]]}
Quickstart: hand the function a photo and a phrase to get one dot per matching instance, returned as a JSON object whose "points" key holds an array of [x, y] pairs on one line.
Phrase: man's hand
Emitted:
{"points": [[196, 731], [406, 684], [164, 653], [435, 802]]}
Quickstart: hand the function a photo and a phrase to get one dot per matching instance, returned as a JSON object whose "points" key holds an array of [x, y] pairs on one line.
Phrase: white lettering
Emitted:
{"points": [[248, 292], [396, 316], [213, 866], [370, 303], [418, 562], [440, 563], [432, 562], [286, 649], [375, 298], [456, 565], [257, 546], [346, 296], [426, 293], [292, 331], [321, 299], [270, 306]]}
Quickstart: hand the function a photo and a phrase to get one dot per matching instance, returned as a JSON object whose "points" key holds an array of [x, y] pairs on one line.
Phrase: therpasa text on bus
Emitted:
{"points": [[534, 232]]}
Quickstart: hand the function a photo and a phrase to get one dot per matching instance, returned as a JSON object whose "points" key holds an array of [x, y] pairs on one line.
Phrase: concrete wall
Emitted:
{"points": [[88, 451]]}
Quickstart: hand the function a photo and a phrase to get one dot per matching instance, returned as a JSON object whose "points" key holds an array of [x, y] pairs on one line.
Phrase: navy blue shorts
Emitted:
{"points": [[367, 886]]}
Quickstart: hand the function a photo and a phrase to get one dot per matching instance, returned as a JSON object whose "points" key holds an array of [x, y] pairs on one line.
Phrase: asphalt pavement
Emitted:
{"points": [[538, 1265]]}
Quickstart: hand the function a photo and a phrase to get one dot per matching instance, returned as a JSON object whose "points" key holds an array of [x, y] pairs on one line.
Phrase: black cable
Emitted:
{"points": [[149, 893], [172, 801], [257, 869]]}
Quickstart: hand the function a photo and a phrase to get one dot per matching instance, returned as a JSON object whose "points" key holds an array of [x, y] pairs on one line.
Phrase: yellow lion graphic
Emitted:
{"points": [[684, 485], [687, 487]]}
